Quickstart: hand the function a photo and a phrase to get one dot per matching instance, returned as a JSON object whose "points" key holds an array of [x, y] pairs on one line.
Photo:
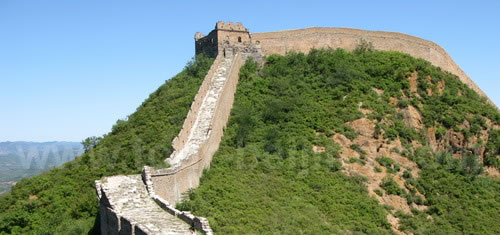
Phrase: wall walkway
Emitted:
{"points": [[127, 208], [188, 162]]}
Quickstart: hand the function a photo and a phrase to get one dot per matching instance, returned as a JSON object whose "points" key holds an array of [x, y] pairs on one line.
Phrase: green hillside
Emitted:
{"points": [[63, 200], [266, 178]]}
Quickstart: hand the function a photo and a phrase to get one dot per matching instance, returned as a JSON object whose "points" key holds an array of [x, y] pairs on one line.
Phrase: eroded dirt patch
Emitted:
{"points": [[360, 156]]}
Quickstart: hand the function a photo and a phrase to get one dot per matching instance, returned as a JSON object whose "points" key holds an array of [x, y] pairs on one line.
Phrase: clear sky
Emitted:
{"points": [[70, 69]]}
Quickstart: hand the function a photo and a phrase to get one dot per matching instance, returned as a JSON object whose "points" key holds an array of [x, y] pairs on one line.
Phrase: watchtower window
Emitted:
{"points": [[239, 39]]}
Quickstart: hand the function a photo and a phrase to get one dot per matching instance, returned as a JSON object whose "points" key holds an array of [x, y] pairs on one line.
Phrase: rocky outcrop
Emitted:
{"points": [[360, 158], [412, 117], [413, 82]]}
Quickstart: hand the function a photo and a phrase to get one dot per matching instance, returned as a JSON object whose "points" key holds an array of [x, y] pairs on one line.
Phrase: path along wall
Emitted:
{"points": [[171, 183], [181, 139], [303, 40], [110, 221]]}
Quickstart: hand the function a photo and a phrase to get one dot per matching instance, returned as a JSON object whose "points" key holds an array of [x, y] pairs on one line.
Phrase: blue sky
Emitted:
{"points": [[70, 69]]}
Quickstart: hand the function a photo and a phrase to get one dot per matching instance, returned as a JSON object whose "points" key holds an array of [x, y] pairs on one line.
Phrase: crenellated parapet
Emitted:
{"points": [[229, 26]]}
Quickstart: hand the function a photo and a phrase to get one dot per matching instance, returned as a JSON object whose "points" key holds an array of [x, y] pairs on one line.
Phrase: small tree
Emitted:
{"points": [[471, 165], [363, 46], [446, 160], [246, 123], [90, 142]]}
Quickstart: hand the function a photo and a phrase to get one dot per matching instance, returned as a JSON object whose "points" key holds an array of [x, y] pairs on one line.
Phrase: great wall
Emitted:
{"points": [[145, 204]]}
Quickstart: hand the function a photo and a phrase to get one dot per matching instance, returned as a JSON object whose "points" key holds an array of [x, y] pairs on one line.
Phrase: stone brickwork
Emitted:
{"points": [[181, 139], [226, 36], [127, 208], [205, 133]]}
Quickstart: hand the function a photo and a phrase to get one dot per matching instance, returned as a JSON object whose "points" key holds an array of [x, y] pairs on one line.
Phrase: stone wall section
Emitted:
{"points": [[180, 140], [127, 208], [207, 45], [196, 222], [223, 36], [171, 183], [303, 40]]}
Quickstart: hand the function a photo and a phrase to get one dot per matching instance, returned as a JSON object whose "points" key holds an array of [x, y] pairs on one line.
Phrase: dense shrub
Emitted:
{"points": [[391, 187], [458, 202], [493, 150], [391, 165]]}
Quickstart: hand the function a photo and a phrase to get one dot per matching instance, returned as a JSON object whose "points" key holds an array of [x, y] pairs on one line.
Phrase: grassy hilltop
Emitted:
{"points": [[318, 143]]}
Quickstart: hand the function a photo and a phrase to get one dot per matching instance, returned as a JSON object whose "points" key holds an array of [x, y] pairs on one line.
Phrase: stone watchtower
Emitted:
{"points": [[225, 38]]}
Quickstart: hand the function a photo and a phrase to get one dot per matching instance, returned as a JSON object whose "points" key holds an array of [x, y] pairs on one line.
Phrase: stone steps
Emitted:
{"points": [[128, 197], [202, 126]]}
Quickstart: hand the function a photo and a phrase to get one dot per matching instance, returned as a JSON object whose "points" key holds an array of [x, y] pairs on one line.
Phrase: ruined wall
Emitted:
{"points": [[111, 222], [231, 33], [171, 183], [181, 138], [196, 222], [224, 35], [303, 40], [233, 36], [207, 45]]}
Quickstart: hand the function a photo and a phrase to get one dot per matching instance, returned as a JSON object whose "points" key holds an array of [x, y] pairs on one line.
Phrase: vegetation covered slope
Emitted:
{"points": [[63, 200], [278, 171]]}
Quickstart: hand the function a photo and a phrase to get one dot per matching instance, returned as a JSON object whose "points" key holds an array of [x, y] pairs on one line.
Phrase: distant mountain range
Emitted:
{"points": [[24, 159]]}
